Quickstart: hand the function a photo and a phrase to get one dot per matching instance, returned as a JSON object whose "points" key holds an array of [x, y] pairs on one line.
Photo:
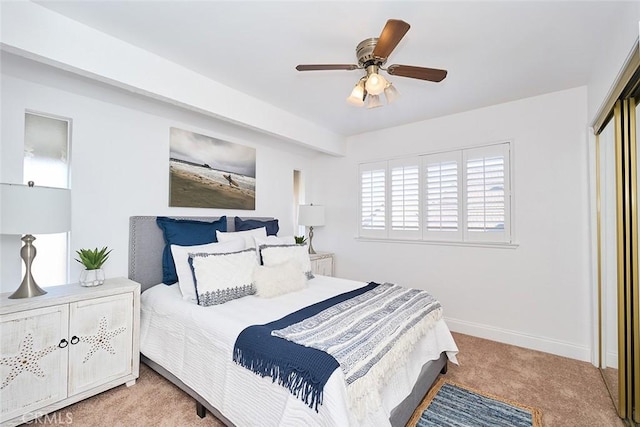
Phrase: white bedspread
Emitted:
{"points": [[196, 344]]}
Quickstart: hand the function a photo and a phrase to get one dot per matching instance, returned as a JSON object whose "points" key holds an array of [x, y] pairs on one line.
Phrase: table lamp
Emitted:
{"points": [[311, 216], [28, 210]]}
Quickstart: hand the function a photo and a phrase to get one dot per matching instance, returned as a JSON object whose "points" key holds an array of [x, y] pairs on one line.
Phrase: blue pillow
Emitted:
{"points": [[249, 224], [185, 232]]}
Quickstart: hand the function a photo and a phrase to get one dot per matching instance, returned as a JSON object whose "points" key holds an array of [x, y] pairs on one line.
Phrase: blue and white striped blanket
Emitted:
{"points": [[368, 335]]}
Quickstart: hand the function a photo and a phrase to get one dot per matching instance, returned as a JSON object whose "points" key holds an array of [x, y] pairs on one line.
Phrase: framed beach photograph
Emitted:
{"points": [[206, 172]]}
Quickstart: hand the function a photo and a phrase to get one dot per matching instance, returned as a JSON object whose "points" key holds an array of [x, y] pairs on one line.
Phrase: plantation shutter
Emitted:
{"points": [[373, 200], [486, 178], [442, 194], [454, 196], [405, 198]]}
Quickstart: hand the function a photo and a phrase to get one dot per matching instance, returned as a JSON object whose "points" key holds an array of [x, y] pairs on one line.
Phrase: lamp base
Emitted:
{"points": [[311, 250], [28, 288]]}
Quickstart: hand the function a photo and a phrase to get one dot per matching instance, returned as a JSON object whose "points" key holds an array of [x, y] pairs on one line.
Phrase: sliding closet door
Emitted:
{"points": [[628, 247], [618, 247], [608, 258], [635, 120], [628, 255]]}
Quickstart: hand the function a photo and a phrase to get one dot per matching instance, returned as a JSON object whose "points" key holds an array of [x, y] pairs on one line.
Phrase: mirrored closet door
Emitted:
{"points": [[608, 258], [618, 216], [635, 308]]}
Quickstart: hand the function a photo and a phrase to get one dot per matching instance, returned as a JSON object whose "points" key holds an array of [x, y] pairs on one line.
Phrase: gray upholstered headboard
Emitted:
{"points": [[146, 244]]}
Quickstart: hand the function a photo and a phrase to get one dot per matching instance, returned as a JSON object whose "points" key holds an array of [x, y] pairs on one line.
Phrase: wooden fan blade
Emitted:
{"points": [[392, 33], [422, 73], [324, 67]]}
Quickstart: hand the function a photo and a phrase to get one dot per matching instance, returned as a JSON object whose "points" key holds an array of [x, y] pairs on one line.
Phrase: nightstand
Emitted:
{"points": [[322, 263], [67, 345]]}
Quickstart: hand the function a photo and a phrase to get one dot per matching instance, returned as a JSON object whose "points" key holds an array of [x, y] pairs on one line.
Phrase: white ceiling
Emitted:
{"points": [[494, 51]]}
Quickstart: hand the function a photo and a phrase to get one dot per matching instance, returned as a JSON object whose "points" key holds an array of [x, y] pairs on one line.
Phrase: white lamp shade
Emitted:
{"points": [[311, 215], [391, 93], [375, 84], [374, 101], [34, 210], [357, 95]]}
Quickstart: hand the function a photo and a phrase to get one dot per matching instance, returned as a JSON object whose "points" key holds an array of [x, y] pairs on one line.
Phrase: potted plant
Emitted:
{"points": [[92, 259], [300, 239]]}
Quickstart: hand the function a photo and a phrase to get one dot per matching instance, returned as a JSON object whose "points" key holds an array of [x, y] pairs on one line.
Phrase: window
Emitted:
{"points": [[373, 199], [405, 198], [487, 210], [443, 198], [46, 162], [298, 199], [455, 196]]}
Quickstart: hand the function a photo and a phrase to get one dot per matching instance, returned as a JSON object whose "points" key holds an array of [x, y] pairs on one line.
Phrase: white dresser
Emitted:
{"points": [[322, 263], [67, 345]]}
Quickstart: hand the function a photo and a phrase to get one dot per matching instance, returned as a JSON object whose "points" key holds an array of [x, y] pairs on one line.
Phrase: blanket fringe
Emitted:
{"points": [[364, 394], [299, 384]]}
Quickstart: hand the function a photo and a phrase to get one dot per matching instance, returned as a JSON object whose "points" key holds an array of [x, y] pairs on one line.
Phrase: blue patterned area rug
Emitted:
{"points": [[453, 405]]}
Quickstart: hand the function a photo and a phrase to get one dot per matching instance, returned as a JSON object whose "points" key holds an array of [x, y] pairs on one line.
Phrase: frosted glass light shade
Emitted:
{"points": [[391, 93], [374, 101], [34, 210], [375, 84], [311, 215], [357, 95]]}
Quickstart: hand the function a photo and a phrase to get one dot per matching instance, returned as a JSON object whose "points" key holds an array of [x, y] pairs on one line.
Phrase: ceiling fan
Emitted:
{"points": [[372, 54]]}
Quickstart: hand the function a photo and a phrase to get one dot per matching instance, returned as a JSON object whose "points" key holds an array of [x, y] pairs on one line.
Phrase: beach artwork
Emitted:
{"points": [[208, 172]]}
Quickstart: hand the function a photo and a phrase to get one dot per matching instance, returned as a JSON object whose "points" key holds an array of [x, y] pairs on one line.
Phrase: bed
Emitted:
{"points": [[186, 344]]}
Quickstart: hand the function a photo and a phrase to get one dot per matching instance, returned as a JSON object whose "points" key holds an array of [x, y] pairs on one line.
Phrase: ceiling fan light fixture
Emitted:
{"points": [[358, 94], [391, 93], [374, 101], [372, 54], [375, 84]]}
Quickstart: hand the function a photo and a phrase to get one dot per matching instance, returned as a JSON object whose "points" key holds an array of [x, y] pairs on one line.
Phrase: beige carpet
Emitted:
{"points": [[569, 393]]}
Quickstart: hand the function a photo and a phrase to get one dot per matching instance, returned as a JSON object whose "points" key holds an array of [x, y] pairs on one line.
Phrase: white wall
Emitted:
{"points": [[622, 35], [537, 295], [119, 159], [88, 52]]}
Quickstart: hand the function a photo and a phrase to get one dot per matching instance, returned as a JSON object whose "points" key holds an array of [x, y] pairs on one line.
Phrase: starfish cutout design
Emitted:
{"points": [[101, 339], [26, 360]]}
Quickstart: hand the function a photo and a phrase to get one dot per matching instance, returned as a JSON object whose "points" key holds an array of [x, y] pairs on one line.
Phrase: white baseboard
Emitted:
{"points": [[612, 359], [519, 339]]}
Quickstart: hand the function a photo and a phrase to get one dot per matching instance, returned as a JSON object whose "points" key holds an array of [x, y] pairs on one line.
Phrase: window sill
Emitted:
{"points": [[496, 245]]}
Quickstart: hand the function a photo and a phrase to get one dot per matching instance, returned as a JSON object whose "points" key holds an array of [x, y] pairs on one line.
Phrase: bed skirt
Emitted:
{"points": [[399, 415]]}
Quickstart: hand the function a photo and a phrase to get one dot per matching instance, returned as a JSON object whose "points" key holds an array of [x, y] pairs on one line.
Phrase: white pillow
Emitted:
{"points": [[279, 279], [278, 254], [183, 269], [247, 235], [273, 241], [223, 277]]}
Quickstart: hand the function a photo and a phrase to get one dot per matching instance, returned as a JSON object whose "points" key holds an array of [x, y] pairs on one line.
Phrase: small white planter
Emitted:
{"points": [[92, 277]]}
